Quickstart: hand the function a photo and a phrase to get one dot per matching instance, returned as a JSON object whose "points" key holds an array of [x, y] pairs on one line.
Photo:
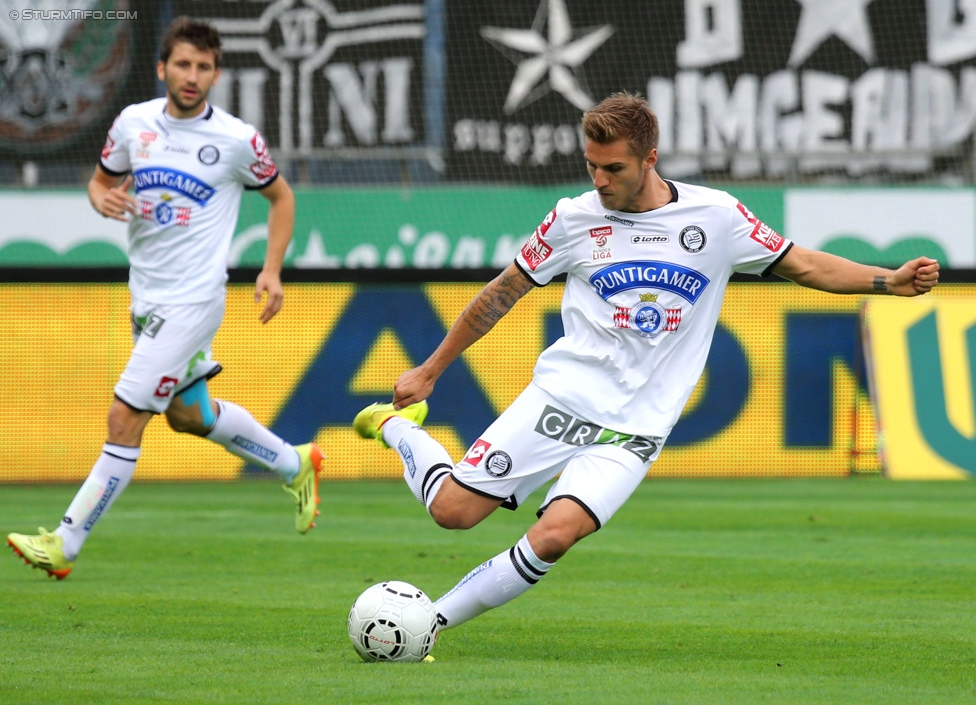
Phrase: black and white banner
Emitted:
{"points": [[316, 75], [746, 88]]}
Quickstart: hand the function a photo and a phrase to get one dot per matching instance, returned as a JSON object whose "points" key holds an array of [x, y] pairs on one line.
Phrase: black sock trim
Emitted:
{"points": [[518, 569], [575, 499], [119, 457], [430, 479], [528, 566]]}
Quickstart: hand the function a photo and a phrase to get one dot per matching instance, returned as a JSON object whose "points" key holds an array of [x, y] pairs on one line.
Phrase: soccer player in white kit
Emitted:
{"points": [[647, 262], [189, 162]]}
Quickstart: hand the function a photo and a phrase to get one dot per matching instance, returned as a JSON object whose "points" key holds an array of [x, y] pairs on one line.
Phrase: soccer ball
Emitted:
{"points": [[393, 621]]}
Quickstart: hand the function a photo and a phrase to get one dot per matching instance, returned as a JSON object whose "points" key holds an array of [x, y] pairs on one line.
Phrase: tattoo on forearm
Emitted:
{"points": [[880, 284], [495, 301]]}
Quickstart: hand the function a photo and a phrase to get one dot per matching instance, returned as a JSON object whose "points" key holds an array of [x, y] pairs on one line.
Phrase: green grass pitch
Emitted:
{"points": [[710, 591]]}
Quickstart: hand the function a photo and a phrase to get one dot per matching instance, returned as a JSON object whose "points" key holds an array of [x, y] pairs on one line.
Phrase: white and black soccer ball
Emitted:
{"points": [[393, 621]]}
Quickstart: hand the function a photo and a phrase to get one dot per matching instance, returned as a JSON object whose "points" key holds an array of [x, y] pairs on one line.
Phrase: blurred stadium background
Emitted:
{"points": [[425, 141]]}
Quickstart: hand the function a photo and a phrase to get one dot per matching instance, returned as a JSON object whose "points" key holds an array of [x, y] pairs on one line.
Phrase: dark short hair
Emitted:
{"points": [[202, 35], [623, 116]]}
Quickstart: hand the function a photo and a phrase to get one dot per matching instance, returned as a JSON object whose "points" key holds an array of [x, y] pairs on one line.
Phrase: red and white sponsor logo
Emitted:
{"points": [[264, 167], [535, 251], [183, 217], [477, 452], [621, 317], [147, 137], [165, 387], [546, 223], [747, 213], [673, 319], [107, 149], [146, 210], [767, 237], [600, 235], [761, 233]]}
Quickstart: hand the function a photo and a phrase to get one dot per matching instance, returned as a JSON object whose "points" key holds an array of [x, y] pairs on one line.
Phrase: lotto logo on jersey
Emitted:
{"points": [[600, 235], [535, 251], [477, 452], [165, 387], [767, 237]]}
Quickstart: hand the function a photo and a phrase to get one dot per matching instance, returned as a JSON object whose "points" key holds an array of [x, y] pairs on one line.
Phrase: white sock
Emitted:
{"points": [[240, 433], [109, 476], [425, 462], [491, 584]]}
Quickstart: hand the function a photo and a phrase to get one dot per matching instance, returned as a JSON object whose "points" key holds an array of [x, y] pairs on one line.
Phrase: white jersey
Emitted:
{"points": [[642, 299], [188, 176]]}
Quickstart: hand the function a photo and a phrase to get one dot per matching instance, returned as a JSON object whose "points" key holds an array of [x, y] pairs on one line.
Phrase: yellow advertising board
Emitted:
{"points": [[923, 371], [782, 395]]}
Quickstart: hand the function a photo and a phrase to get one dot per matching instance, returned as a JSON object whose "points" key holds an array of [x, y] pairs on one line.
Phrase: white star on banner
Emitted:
{"points": [[558, 56], [820, 19]]}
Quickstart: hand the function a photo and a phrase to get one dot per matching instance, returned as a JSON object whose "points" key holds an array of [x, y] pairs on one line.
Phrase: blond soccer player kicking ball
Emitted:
{"points": [[189, 163], [647, 261]]}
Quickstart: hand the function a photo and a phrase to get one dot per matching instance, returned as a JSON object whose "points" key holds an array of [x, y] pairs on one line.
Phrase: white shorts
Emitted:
{"points": [[173, 349], [536, 438]]}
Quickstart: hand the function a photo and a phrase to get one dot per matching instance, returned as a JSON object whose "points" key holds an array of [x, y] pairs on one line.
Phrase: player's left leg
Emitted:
{"points": [[513, 571], [594, 484], [234, 428]]}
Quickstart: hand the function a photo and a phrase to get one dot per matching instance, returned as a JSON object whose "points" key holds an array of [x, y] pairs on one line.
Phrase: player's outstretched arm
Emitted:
{"points": [[109, 197], [480, 315], [826, 272], [281, 222]]}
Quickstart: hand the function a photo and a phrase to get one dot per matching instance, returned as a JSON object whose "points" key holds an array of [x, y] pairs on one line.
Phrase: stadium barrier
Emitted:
{"points": [[783, 394], [922, 369]]}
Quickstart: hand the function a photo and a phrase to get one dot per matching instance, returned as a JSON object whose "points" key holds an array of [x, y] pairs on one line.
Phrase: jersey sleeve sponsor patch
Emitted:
{"points": [[536, 250], [761, 233], [264, 168], [767, 237]]}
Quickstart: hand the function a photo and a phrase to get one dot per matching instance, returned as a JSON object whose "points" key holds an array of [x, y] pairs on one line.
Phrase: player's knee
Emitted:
{"points": [[449, 515], [551, 543], [184, 423]]}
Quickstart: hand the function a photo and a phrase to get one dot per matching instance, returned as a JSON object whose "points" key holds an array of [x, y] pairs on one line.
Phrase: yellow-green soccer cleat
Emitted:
{"points": [[370, 420], [42, 551], [304, 489]]}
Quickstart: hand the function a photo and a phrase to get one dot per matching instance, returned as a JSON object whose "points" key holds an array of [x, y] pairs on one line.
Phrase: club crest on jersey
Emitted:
{"points": [[498, 463], [208, 155], [683, 281], [181, 182], [692, 239], [649, 318]]}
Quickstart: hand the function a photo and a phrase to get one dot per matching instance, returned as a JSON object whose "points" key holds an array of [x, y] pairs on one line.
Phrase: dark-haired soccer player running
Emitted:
{"points": [[189, 162]]}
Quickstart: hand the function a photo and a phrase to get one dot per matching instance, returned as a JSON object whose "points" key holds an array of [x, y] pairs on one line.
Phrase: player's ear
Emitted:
{"points": [[216, 76], [161, 70], [651, 159]]}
